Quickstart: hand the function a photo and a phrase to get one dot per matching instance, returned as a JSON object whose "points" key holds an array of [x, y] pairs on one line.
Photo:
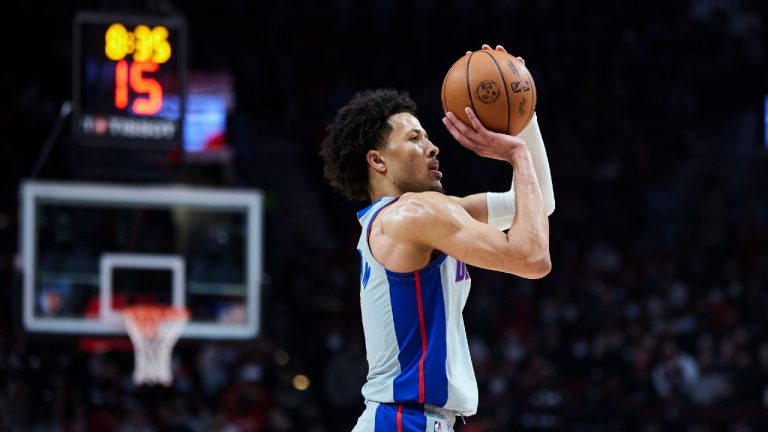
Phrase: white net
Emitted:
{"points": [[154, 330]]}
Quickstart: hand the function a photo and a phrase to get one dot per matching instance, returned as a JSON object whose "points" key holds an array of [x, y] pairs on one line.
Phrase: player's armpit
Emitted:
{"points": [[439, 222]]}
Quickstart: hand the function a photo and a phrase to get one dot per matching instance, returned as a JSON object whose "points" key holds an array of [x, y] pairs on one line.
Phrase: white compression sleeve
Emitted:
{"points": [[501, 205], [532, 137], [501, 209]]}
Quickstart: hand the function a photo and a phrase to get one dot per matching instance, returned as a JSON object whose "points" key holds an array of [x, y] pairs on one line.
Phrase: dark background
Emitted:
{"points": [[653, 317]]}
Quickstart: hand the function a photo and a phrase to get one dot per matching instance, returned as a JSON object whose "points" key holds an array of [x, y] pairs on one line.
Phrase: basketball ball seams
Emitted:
{"points": [[442, 92], [443, 98], [524, 77], [469, 88], [504, 83], [533, 96], [480, 85], [450, 81]]}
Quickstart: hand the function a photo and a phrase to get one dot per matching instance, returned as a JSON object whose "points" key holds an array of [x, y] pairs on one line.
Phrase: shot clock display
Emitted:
{"points": [[129, 80]]}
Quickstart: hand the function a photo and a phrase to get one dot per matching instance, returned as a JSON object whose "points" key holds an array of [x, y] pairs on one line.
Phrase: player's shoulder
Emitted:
{"points": [[428, 196], [414, 210], [417, 203]]}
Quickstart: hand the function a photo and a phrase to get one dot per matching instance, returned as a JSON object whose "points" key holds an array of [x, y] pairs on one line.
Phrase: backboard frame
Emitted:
{"points": [[35, 192]]}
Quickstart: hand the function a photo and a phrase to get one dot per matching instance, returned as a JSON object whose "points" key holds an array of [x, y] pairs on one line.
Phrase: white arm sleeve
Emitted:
{"points": [[532, 137], [501, 209], [501, 205]]}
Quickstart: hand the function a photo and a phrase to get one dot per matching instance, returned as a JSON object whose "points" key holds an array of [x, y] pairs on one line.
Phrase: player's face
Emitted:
{"points": [[411, 157]]}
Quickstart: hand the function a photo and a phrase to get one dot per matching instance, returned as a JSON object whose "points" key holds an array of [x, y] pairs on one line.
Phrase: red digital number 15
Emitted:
{"points": [[133, 75]]}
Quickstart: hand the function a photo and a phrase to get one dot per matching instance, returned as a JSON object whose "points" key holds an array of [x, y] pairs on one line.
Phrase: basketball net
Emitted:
{"points": [[154, 330]]}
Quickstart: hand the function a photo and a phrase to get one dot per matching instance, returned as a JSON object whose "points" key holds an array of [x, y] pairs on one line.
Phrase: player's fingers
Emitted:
{"points": [[457, 124], [486, 47], [474, 120], [457, 135], [469, 52], [452, 129], [500, 48], [461, 126], [522, 60]]}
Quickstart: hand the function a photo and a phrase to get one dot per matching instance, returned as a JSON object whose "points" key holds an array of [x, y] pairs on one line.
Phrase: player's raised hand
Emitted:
{"points": [[480, 140], [498, 48]]}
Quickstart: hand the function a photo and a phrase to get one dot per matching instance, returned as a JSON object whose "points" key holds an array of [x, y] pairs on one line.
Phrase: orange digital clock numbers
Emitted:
{"points": [[133, 75], [150, 48], [144, 43]]}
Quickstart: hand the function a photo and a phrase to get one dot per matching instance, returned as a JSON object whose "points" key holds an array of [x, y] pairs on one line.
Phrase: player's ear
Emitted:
{"points": [[376, 162]]}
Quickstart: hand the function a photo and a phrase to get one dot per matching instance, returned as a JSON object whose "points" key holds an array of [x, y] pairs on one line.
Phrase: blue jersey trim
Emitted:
{"points": [[362, 212], [429, 268], [373, 218]]}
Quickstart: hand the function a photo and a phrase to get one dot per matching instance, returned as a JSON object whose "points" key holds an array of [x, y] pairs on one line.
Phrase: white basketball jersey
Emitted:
{"points": [[414, 329]]}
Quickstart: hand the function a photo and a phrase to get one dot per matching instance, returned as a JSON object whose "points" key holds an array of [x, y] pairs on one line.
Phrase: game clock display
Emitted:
{"points": [[129, 80]]}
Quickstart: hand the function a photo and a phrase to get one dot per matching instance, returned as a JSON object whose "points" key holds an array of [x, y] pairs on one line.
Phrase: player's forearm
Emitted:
{"points": [[535, 143], [530, 229]]}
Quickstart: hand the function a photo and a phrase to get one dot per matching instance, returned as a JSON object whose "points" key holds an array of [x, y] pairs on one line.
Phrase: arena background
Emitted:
{"points": [[654, 317]]}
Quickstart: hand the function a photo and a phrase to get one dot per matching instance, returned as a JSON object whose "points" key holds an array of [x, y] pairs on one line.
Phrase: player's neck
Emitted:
{"points": [[377, 196], [379, 190]]}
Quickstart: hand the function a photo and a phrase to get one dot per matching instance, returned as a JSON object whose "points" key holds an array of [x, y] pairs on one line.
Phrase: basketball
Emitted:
{"points": [[496, 85]]}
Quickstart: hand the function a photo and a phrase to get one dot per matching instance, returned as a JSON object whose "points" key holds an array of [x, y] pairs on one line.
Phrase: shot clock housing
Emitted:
{"points": [[129, 89]]}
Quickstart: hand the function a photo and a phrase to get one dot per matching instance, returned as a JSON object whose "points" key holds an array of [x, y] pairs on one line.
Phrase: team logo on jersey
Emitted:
{"points": [[438, 427], [461, 271]]}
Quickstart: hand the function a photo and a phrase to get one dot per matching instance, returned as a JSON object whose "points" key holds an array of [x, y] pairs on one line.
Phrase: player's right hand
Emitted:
{"points": [[480, 140]]}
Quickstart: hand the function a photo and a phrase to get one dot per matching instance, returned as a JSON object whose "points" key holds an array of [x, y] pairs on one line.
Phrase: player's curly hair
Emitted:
{"points": [[359, 126]]}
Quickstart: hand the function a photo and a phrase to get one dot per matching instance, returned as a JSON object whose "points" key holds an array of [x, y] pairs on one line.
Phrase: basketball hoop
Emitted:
{"points": [[154, 330]]}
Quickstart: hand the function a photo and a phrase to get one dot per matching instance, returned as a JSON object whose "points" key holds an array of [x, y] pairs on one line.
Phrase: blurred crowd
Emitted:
{"points": [[654, 317]]}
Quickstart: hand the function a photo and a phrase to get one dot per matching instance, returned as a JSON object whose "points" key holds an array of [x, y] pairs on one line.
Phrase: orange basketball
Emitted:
{"points": [[496, 85]]}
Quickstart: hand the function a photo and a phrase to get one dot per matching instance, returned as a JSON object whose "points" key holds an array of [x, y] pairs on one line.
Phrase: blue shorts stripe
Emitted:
{"points": [[411, 419]]}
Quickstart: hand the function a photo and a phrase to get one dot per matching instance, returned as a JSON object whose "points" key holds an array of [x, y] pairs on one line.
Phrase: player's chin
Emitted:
{"points": [[437, 186]]}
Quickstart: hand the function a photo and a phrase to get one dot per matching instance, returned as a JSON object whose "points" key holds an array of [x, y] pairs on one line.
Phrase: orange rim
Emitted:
{"points": [[147, 318]]}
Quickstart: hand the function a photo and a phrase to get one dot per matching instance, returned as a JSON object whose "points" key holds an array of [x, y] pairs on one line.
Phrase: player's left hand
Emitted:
{"points": [[498, 48], [480, 140]]}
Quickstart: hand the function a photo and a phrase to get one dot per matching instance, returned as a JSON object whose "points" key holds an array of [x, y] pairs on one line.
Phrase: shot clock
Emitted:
{"points": [[129, 80]]}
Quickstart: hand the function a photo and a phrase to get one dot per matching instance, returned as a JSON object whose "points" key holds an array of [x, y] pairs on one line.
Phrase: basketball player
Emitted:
{"points": [[415, 246]]}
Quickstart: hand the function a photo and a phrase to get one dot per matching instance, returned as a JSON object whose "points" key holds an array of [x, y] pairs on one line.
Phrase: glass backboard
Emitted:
{"points": [[91, 249]]}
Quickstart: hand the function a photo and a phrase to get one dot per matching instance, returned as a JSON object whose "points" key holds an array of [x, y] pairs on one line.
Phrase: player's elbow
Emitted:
{"points": [[533, 261], [538, 267], [542, 262], [538, 261]]}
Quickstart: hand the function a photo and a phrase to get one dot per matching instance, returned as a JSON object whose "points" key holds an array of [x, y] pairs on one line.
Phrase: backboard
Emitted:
{"points": [[89, 250]]}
